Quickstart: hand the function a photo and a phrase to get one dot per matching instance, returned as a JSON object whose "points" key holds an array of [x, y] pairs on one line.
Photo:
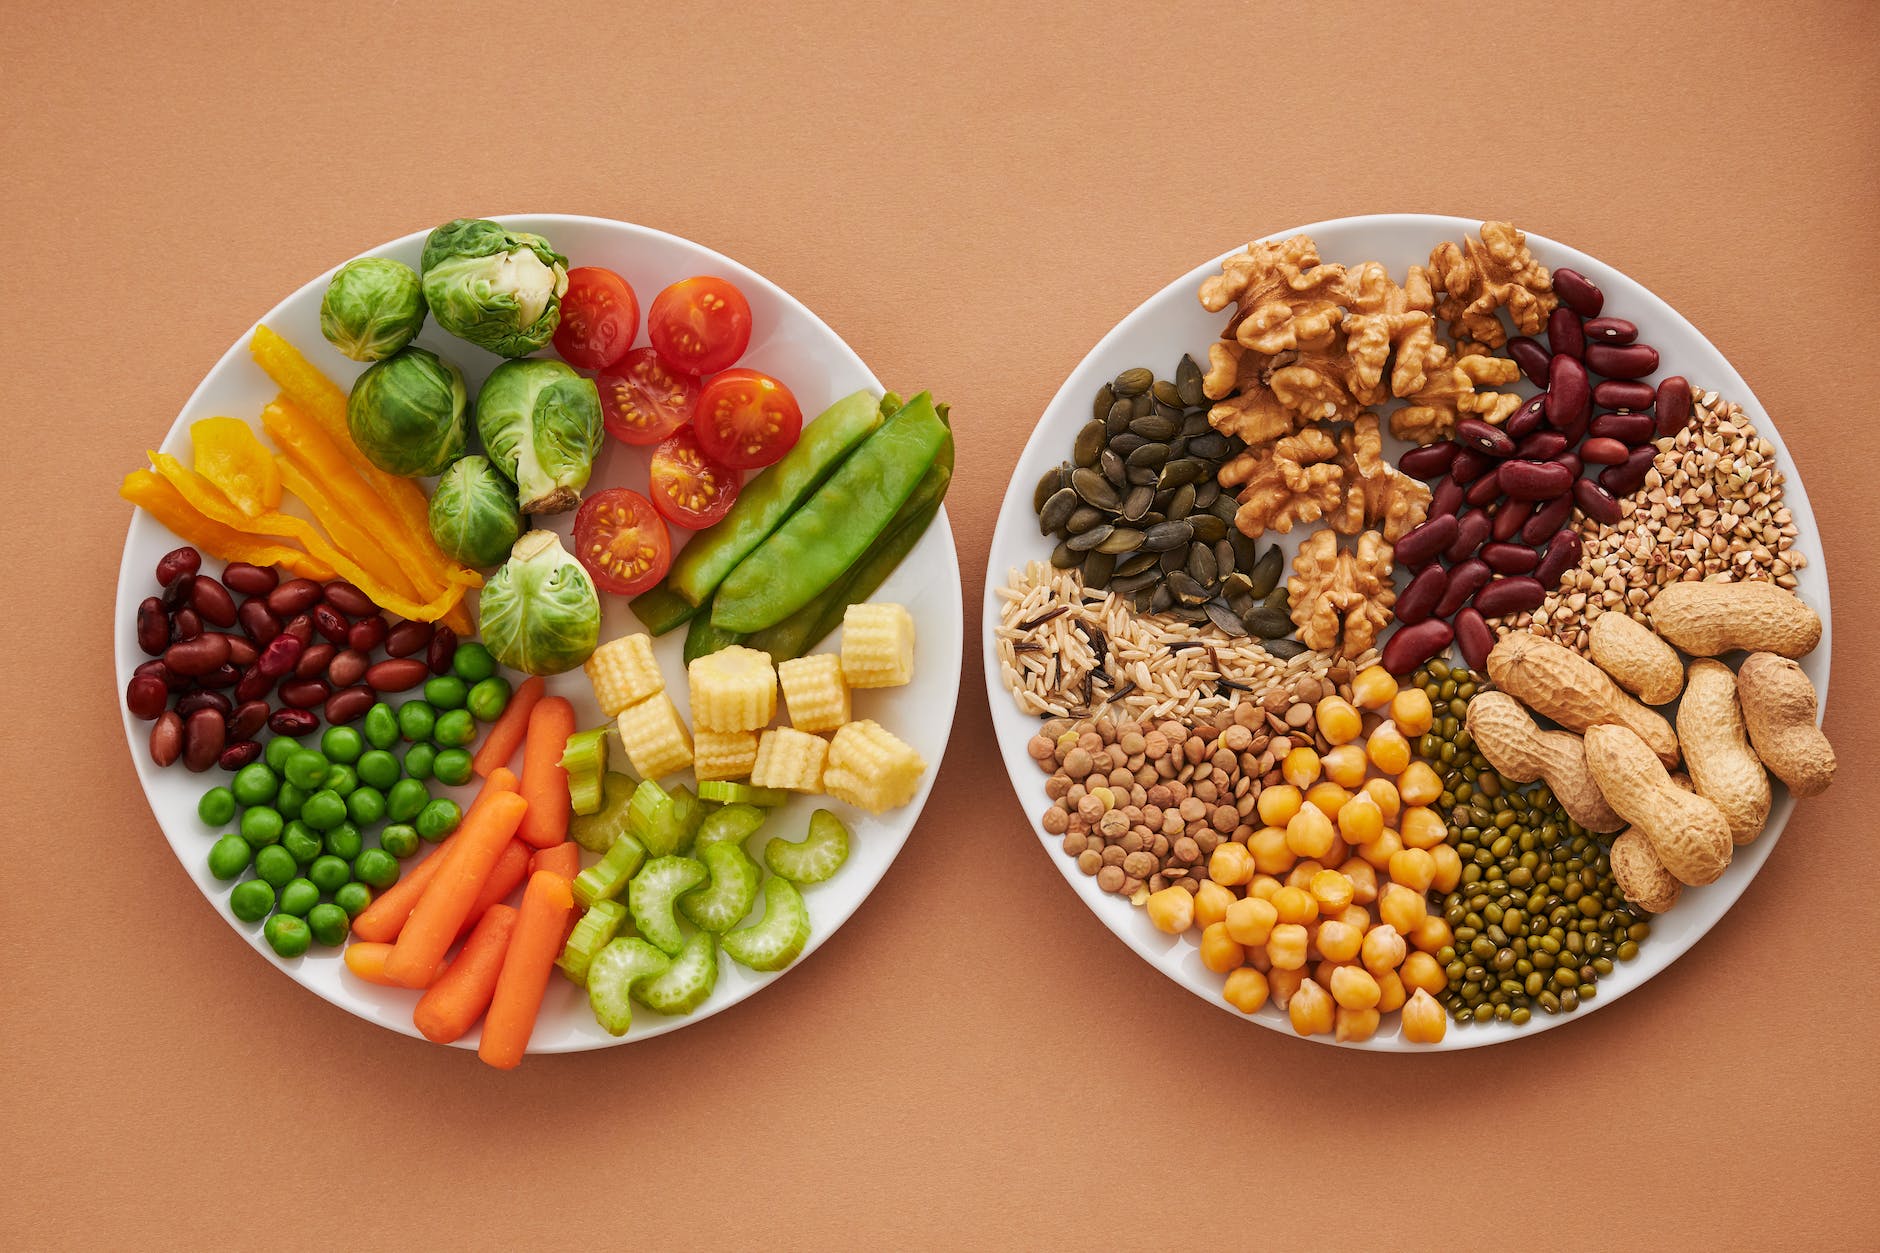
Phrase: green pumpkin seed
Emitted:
{"points": [[1187, 374], [1223, 617], [1155, 427], [1057, 510], [1212, 446], [1088, 444], [1095, 489], [1166, 392], [1042, 494], [1178, 447], [1262, 575], [1207, 493], [1151, 454], [1195, 424], [1268, 624], [1225, 507], [1144, 600], [1283, 649], [1194, 615], [1113, 468], [1136, 564], [1201, 567], [1223, 557], [1100, 407], [1142, 474], [1126, 584], [1084, 541], [1164, 536], [1171, 559], [1279, 598], [1064, 559], [1181, 501], [1116, 421], [1097, 568], [1133, 382], [1162, 599], [1136, 504], [1208, 527], [1185, 588], [1122, 540], [1141, 406], [1175, 473], [1082, 518]]}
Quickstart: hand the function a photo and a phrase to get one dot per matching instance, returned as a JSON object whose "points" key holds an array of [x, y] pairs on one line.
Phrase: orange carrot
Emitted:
{"points": [[546, 904], [452, 1005], [507, 732], [564, 859], [384, 918], [544, 782], [367, 961], [440, 912], [511, 868]]}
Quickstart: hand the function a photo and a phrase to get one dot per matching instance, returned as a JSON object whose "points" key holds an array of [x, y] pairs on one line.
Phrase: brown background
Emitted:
{"points": [[971, 196]]}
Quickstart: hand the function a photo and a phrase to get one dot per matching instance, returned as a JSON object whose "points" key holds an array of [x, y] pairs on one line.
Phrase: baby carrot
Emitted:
{"points": [[506, 732], [546, 904], [384, 918], [452, 1005], [440, 912], [564, 859], [511, 868], [367, 961], [544, 781]]}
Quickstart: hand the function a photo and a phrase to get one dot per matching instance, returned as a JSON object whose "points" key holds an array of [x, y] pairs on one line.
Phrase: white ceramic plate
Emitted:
{"points": [[788, 341], [1172, 322]]}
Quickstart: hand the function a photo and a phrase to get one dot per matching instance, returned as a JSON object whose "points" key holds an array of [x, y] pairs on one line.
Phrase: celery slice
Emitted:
{"points": [[593, 933], [722, 903], [731, 825], [597, 832], [683, 986], [819, 856], [654, 891], [742, 794], [648, 818], [776, 941], [612, 975], [605, 879], [585, 760], [686, 815]]}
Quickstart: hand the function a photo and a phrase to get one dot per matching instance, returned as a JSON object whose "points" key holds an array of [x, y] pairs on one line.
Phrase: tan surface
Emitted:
{"points": [[971, 200]]}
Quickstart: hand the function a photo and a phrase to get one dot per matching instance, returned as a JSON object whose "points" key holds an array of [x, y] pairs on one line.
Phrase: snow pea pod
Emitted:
{"points": [[826, 535], [660, 609], [703, 639]]}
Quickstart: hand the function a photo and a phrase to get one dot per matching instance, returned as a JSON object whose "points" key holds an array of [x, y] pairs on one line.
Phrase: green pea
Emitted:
{"points": [[324, 810], [366, 805], [453, 766], [419, 759], [279, 749], [406, 798], [439, 818], [300, 843], [262, 825], [380, 726], [307, 769], [344, 841], [472, 662], [328, 923], [276, 866], [400, 839], [255, 784], [299, 896], [378, 768], [228, 857], [342, 779], [251, 901], [329, 873], [289, 800], [454, 729], [217, 807], [342, 744], [446, 691], [353, 898], [287, 935], [377, 868], [415, 720], [488, 698]]}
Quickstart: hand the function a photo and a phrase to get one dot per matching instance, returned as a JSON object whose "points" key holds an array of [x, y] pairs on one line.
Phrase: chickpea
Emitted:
{"points": [[1388, 750], [1286, 946], [1282, 983], [1231, 865], [1410, 710], [1263, 887], [1379, 851], [1245, 990], [1360, 820], [1277, 804], [1391, 993], [1310, 1008], [1300, 767], [1219, 952], [1420, 970], [1346, 765], [1419, 784], [1338, 721], [1322, 973], [1327, 797], [1423, 828], [1424, 1021], [1432, 934], [1363, 880], [1356, 916], [1448, 868], [1332, 890], [1270, 853], [1338, 853], [1354, 988], [1295, 905], [1310, 833], [1172, 910], [1402, 908], [1337, 941], [1250, 922], [1413, 868], [1211, 903], [1384, 793], [1352, 1025], [1374, 687]]}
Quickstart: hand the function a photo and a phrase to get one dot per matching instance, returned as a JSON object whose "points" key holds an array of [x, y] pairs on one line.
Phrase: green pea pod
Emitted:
{"points": [[660, 609], [826, 536], [703, 639]]}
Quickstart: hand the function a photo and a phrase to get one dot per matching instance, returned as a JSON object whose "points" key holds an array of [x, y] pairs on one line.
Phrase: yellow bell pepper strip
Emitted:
{"points": [[229, 456], [154, 495], [345, 529]]}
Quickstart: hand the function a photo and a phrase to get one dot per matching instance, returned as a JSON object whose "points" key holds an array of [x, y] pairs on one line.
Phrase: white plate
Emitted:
{"points": [[788, 341], [1172, 322]]}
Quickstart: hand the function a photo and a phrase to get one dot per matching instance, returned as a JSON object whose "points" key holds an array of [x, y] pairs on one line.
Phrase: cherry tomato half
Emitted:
{"points": [[689, 488], [643, 400], [600, 315], [700, 325], [622, 541], [746, 419]]}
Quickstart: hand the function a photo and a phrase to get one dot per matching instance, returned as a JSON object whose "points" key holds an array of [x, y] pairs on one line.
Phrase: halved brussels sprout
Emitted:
{"points": [[541, 425], [473, 513], [373, 307], [500, 289], [410, 413], [540, 613]]}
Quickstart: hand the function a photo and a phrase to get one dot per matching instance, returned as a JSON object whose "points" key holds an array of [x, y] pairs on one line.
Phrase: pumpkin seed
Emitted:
{"points": [[1191, 614], [1167, 393], [1082, 518], [1268, 624], [1207, 493], [1175, 473], [1141, 406], [1136, 504], [1284, 649], [1208, 527], [1133, 382], [1142, 474], [1126, 443], [1201, 567], [1225, 507], [1213, 446], [1042, 494], [1089, 443], [1116, 421], [1164, 536], [1181, 501], [1155, 426], [1095, 489], [1084, 541], [1136, 564], [1224, 557], [1223, 617], [1064, 559], [1245, 550], [1100, 407], [1057, 510], [1144, 600], [1153, 454], [1264, 574], [1171, 559], [1123, 539], [1279, 598], [1195, 424], [1113, 469], [1178, 447], [1124, 584], [1162, 599], [1097, 568]]}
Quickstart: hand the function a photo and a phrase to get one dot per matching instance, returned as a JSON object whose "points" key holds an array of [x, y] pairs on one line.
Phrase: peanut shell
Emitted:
{"points": [[1518, 748], [1778, 705], [1688, 832], [1706, 619], [1641, 877], [1631, 653], [1724, 768], [1558, 683]]}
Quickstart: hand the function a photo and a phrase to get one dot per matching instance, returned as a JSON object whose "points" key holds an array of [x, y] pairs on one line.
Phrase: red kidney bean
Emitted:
{"points": [[1595, 502], [250, 580], [1479, 434], [1535, 480], [160, 672], [304, 693], [153, 625], [1541, 446], [239, 754], [294, 596], [366, 634], [260, 624], [1510, 517], [1633, 428], [1528, 419], [1624, 394], [1571, 461], [204, 735], [1446, 498], [1474, 638], [1545, 520], [1506, 558], [241, 650], [1531, 357], [330, 622], [1419, 544], [349, 704], [1428, 463], [300, 626], [1564, 337], [346, 669], [314, 660], [249, 717], [1569, 395], [204, 700], [146, 696], [1579, 293], [1511, 595], [348, 599], [292, 722], [254, 684], [1418, 600], [1623, 480], [1563, 553], [196, 656], [178, 561], [224, 675], [186, 624], [1603, 450], [408, 637], [1465, 581], [1471, 531], [1410, 646], [279, 657], [1610, 331], [407, 672], [166, 738], [1621, 361], [212, 601], [176, 595], [1484, 489], [1469, 465], [443, 648], [1674, 405]]}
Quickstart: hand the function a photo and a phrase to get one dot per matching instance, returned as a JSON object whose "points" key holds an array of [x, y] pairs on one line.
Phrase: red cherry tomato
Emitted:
{"points": [[689, 488], [700, 325], [600, 315], [746, 419], [622, 541], [643, 400]]}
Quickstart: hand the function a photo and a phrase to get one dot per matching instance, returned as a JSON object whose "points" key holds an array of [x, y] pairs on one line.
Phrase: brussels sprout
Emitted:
{"points": [[539, 613], [409, 413], [372, 308], [541, 424], [497, 288], [473, 513]]}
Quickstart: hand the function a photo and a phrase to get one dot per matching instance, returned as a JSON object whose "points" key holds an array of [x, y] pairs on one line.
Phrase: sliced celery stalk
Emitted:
{"points": [[608, 877], [818, 857], [585, 760], [597, 831], [731, 825], [742, 794], [610, 980], [598, 926]]}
